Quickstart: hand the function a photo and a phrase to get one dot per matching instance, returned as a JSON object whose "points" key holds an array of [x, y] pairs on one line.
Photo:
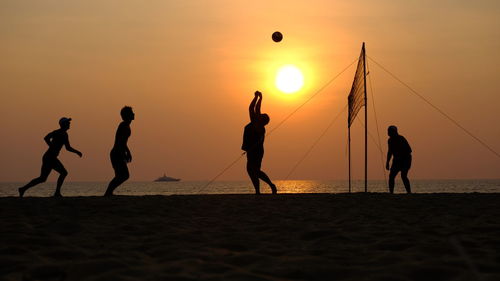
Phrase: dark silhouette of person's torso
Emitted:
{"points": [[58, 138], [399, 147], [253, 138], [122, 134]]}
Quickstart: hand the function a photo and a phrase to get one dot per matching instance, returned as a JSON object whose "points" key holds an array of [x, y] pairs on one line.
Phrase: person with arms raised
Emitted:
{"points": [[253, 144]]}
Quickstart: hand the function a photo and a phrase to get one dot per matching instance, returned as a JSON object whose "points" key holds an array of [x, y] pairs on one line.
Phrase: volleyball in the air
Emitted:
{"points": [[277, 36]]}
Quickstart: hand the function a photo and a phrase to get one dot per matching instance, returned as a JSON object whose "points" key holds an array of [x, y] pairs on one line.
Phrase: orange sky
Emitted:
{"points": [[189, 70]]}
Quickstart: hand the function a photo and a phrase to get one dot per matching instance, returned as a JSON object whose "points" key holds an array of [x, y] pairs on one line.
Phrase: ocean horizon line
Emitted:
{"points": [[244, 180]]}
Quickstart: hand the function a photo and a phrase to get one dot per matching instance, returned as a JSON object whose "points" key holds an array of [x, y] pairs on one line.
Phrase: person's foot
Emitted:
{"points": [[274, 189], [57, 194], [108, 194], [21, 192]]}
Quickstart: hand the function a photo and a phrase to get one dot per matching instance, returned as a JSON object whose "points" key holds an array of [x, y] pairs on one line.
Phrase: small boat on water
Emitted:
{"points": [[165, 178]]}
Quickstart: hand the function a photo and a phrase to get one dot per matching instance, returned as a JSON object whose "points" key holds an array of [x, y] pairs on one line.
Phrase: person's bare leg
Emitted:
{"points": [[60, 181], [254, 177], [44, 174], [406, 181], [267, 180], [58, 167], [121, 175], [114, 183], [392, 176], [32, 183]]}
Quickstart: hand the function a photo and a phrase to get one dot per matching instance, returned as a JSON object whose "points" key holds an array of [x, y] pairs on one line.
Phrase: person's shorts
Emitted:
{"points": [[401, 164], [254, 159], [50, 162], [118, 162]]}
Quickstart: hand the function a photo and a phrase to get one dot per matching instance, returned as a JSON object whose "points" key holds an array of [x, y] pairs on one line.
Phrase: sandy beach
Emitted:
{"points": [[245, 237]]}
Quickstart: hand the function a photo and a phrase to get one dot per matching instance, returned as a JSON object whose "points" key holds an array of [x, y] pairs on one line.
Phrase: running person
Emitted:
{"points": [[120, 154], [401, 150], [253, 144], [55, 140]]}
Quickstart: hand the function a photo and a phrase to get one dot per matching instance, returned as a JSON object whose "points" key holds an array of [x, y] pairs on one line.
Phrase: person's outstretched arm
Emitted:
{"points": [[251, 108], [259, 102], [71, 149]]}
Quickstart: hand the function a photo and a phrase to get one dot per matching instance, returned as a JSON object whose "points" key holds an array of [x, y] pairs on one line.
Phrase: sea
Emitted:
{"points": [[245, 187]]}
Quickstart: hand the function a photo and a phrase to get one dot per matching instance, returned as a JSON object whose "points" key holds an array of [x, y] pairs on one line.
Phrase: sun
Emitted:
{"points": [[289, 79]]}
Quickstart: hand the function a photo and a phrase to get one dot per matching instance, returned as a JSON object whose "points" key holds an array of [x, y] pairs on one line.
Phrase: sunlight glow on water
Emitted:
{"points": [[245, 187]]}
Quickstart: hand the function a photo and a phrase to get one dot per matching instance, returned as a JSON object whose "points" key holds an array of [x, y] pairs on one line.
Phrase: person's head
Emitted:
{"points": [[65, 123], [127, 113], [264, 119], [392, 131]]}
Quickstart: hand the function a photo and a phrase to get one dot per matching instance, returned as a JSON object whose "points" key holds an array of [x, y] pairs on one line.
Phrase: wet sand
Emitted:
{"points": [[245, 237]]}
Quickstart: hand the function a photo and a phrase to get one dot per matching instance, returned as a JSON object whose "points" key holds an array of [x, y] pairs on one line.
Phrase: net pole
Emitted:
{"points": [[349, 152], [366, 120]]}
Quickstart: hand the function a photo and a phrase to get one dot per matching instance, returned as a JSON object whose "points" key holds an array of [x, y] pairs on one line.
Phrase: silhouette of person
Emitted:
{"points": [[55, 140], [400, 150], [120, 154], [253, 144]]}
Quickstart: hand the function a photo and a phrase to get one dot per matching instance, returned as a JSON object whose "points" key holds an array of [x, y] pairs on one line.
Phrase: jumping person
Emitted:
{"points": [[55, 140], [253, 144], [120, 154], [401, 162]]}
